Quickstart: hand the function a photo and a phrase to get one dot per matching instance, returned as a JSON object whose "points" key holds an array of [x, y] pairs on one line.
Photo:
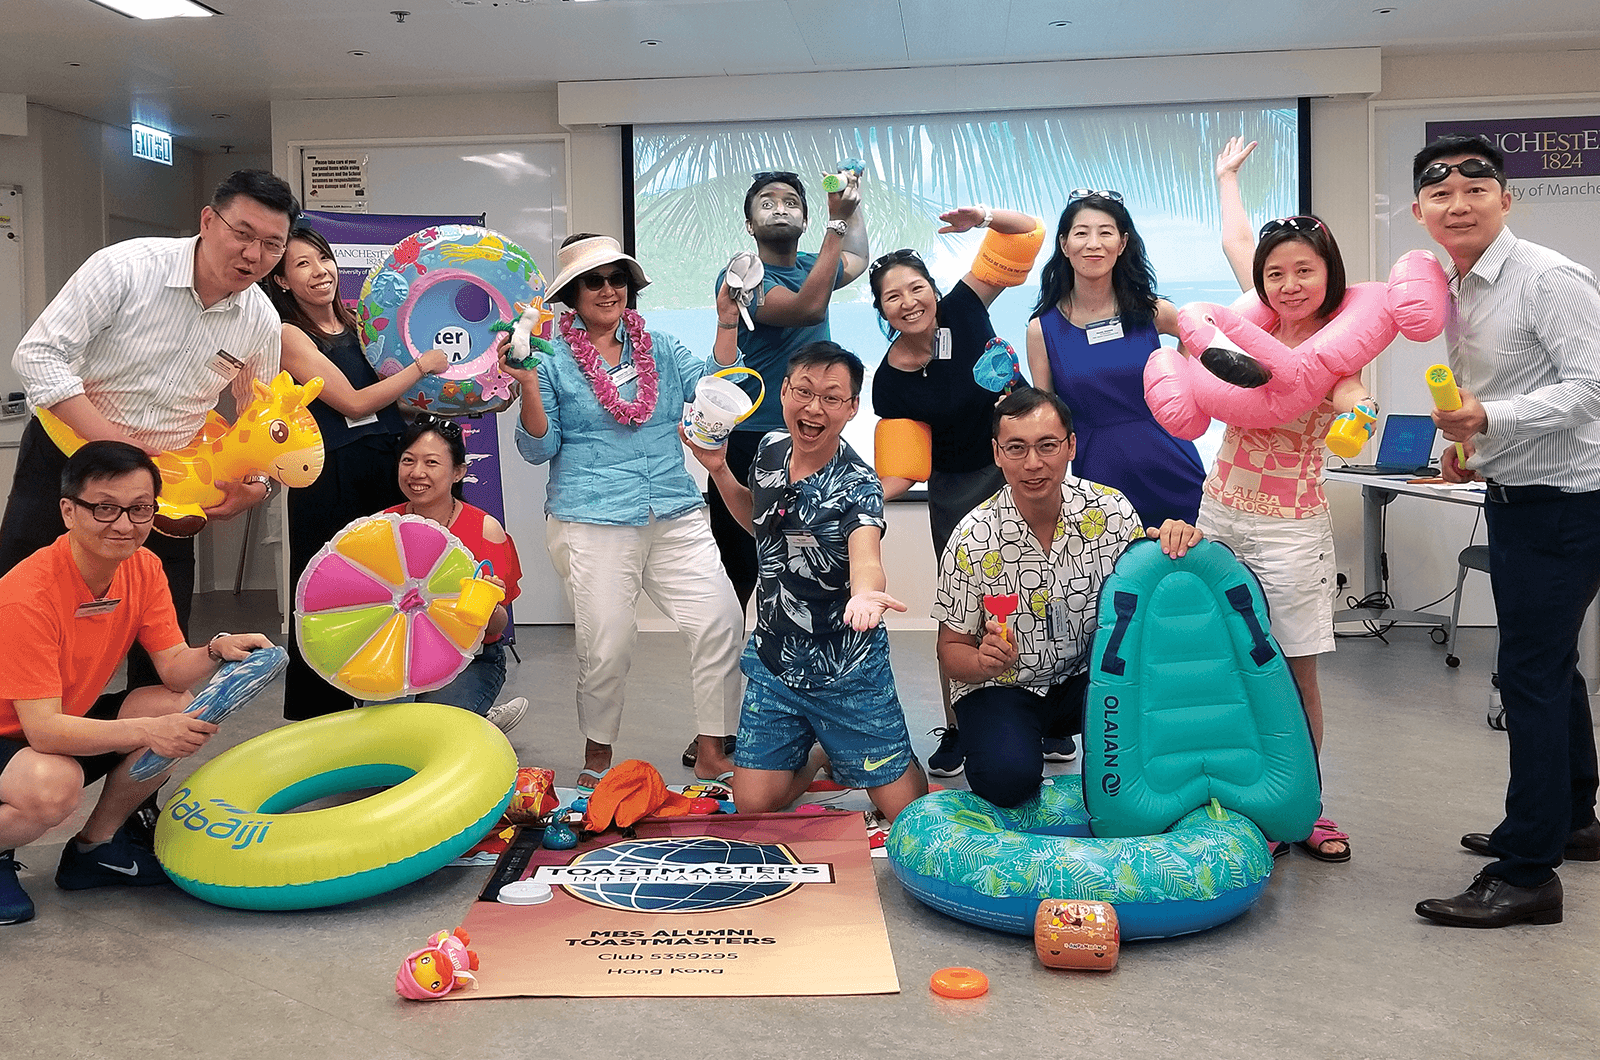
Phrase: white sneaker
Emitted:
{"points": [[504, 716]]}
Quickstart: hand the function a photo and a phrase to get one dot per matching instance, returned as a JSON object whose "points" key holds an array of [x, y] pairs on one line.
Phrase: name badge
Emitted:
{"points": [[624, 372], [1055, 619], [1103, 330], [942, 344], [371, 417], [226, 364], [799, 540], [95, 607]]}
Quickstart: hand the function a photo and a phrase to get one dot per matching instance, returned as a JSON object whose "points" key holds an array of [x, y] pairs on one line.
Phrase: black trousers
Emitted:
{"points": [[1002, 729], [33, 520], [1544, 568], [734, 542]]}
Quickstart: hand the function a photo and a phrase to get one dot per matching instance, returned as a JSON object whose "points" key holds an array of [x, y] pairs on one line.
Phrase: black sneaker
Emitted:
{"points": [[1060, 749], [121, 861], [948, 760], [15, 905], [141, 824], [691, 754]]}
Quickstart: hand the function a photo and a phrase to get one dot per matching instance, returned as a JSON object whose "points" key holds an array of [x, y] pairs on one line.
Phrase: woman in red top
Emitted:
{"points": [[433, 461]]}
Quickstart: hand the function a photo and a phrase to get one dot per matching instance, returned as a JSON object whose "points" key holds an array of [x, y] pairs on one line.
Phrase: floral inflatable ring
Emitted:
{"points": [[451, 288]]}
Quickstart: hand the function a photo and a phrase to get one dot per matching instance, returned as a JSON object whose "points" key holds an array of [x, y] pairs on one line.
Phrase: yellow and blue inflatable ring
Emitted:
{"points": [[226, 836]]}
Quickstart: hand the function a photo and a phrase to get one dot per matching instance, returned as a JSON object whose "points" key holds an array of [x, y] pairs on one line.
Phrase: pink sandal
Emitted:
{"points": [[1325, 832]]}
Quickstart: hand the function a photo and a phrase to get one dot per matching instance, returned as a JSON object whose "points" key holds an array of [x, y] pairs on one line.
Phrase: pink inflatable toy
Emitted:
{"points": [[1274, 384], [443, 965]]}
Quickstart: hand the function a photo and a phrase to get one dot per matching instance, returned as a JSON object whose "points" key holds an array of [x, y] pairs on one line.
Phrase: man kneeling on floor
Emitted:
{"points": [[68, 615], [818, 663], [1051, 539]]}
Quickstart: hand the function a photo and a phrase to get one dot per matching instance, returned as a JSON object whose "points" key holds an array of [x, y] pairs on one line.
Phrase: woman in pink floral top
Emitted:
{"points": [[1263, 497]]}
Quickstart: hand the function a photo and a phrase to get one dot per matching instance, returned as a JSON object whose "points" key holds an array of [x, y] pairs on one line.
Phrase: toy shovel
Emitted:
{"points": [[1002, 608]]}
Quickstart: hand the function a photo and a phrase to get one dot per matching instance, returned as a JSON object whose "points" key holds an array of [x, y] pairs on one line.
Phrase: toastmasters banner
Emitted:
{"points": [[772, 904], [1547, 159]]}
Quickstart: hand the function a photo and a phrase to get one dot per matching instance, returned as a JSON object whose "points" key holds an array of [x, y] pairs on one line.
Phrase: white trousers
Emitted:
{"points": [[675, 561]]}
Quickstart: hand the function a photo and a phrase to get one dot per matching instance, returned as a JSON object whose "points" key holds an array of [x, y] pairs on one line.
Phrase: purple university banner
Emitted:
{"points": [[1535, 148], [362, 240]]}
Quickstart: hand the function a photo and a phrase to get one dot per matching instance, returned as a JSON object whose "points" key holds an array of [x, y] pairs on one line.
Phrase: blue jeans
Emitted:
{"points": [[475, 687]]}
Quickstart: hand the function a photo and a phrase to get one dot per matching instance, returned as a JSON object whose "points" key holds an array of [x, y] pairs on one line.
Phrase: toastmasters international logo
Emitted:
{"points": [[688, 874]]}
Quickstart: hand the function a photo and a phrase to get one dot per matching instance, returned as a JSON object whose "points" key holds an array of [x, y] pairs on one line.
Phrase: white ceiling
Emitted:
{"points": [[180, 74]]}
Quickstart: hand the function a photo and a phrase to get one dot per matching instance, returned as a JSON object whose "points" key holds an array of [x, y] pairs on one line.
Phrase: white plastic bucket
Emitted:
{"points": [[718, 407]]}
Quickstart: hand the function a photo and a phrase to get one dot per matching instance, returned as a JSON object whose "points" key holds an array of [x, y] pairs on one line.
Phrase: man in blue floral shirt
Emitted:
{"points": [[818, 663]]}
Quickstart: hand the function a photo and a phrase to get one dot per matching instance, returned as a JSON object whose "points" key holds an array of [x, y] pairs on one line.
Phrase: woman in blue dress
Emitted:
{"points": [[1095, 326]]}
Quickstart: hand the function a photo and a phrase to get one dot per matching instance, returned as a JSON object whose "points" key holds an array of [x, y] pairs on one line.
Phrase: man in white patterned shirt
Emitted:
{"points": [[137, 347], [1524, 335], [1051, 539]]}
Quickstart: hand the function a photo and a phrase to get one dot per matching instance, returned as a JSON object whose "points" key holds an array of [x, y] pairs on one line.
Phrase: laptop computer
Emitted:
{"points": [[1405, 449]]}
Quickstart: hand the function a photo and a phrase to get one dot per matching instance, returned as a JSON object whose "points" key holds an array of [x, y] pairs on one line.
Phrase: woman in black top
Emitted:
{"points": [[926, 378], [360, 426]]}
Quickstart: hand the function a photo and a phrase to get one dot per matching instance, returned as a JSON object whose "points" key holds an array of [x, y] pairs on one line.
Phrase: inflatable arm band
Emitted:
{"points": [[1005, 260], [903, 449], [1185, 397]]}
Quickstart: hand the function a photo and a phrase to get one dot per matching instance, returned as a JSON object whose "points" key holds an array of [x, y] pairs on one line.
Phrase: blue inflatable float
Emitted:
{"points": [[1195, 744]]}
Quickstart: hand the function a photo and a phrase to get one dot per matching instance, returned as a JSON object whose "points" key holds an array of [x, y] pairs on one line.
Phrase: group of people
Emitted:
{"points": [[795, 514]]}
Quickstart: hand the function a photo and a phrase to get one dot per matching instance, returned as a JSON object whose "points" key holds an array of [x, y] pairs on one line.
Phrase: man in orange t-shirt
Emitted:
{"points": [[68, 615]]}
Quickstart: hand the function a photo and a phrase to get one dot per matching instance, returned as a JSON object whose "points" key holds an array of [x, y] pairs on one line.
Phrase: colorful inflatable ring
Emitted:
{"points": [[992, 866], [452, 288], [227, 837], [1185, 396], [379, 610]]}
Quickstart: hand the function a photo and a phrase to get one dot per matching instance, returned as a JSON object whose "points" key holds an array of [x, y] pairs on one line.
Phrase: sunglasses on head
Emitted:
{"points": [[442, 425], [775, 176], [894, 257], [1304, 224], [1089, 193], [1471, 168], [593, 281]]}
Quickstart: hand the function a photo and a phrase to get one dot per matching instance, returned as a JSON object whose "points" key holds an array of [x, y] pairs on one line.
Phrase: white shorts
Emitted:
{"points": [[1294, 560]]}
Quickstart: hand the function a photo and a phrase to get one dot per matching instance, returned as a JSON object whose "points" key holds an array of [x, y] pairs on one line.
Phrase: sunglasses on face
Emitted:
{"points": [[894, 257], [593, 281], [1471, 168], [1303, 224], [443, 425], [1089, 193]]}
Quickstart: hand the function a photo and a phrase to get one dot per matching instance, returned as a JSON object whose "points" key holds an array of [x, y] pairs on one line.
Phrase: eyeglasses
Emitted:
{"points": [[593, 281], [1303, 223], [1045, 447], [804, 396], [444, 425], [775, 176], [1471, 168], [894, 257], [271, 247], [110, 513], [1087, 193]]}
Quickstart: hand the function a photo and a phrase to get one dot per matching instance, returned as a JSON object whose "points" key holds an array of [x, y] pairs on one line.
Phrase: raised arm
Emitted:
{"points": [[735, 494], [784, 308], [1006, 222], [302, 359], [1238, 241]]}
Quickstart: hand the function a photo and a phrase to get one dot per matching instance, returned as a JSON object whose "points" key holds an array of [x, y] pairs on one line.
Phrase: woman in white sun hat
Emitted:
{"points": [[623, 514]]}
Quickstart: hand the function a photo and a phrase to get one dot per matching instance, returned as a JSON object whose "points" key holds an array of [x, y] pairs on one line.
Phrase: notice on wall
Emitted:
{"points": [[336, 181], [1547, 159]]}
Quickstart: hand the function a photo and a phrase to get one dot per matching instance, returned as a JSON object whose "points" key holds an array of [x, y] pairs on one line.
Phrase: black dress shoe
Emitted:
{"points": [[1492, 902], [1582, 845]]}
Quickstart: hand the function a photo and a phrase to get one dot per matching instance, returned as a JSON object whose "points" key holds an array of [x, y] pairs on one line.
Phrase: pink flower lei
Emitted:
{"points": [[632, 412]]}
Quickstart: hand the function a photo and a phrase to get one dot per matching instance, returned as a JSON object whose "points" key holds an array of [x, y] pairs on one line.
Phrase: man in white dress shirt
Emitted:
{"points": [[137, 347], [1524, 335]]}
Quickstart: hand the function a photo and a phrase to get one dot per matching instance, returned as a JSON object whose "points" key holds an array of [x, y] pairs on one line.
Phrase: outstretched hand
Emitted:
{"points": [[961, 219], [865, 610], [1232, 155]]}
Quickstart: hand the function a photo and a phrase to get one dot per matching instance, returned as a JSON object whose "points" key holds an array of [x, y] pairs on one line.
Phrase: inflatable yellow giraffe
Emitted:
{"points": [[276, 435]]}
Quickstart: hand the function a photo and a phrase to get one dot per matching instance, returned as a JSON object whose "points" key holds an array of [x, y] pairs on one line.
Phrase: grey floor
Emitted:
{"points": [[1331, 962]]}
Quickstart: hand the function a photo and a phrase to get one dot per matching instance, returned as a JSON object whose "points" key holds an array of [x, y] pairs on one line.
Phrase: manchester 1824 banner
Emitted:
{"points": [[1550, 159], [743, 905]]}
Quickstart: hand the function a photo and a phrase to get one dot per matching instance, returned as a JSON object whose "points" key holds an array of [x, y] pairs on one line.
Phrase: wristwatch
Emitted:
{"points": [[839, 225], [264, 480], [211, 646]]}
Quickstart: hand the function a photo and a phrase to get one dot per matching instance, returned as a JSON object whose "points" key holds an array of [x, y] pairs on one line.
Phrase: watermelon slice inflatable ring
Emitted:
{"points": [[376, 611]]}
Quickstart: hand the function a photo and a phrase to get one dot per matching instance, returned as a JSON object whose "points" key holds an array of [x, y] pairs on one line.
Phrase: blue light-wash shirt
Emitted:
{"points": [[767, 349], [603, 471]]}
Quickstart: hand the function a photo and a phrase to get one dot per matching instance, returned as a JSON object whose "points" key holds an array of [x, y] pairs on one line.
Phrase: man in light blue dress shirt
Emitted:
{"points": [[1524, 335]]}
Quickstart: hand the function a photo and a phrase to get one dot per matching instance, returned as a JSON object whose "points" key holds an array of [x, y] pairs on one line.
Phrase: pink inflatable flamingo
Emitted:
{"points": [[1268, 383]]}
